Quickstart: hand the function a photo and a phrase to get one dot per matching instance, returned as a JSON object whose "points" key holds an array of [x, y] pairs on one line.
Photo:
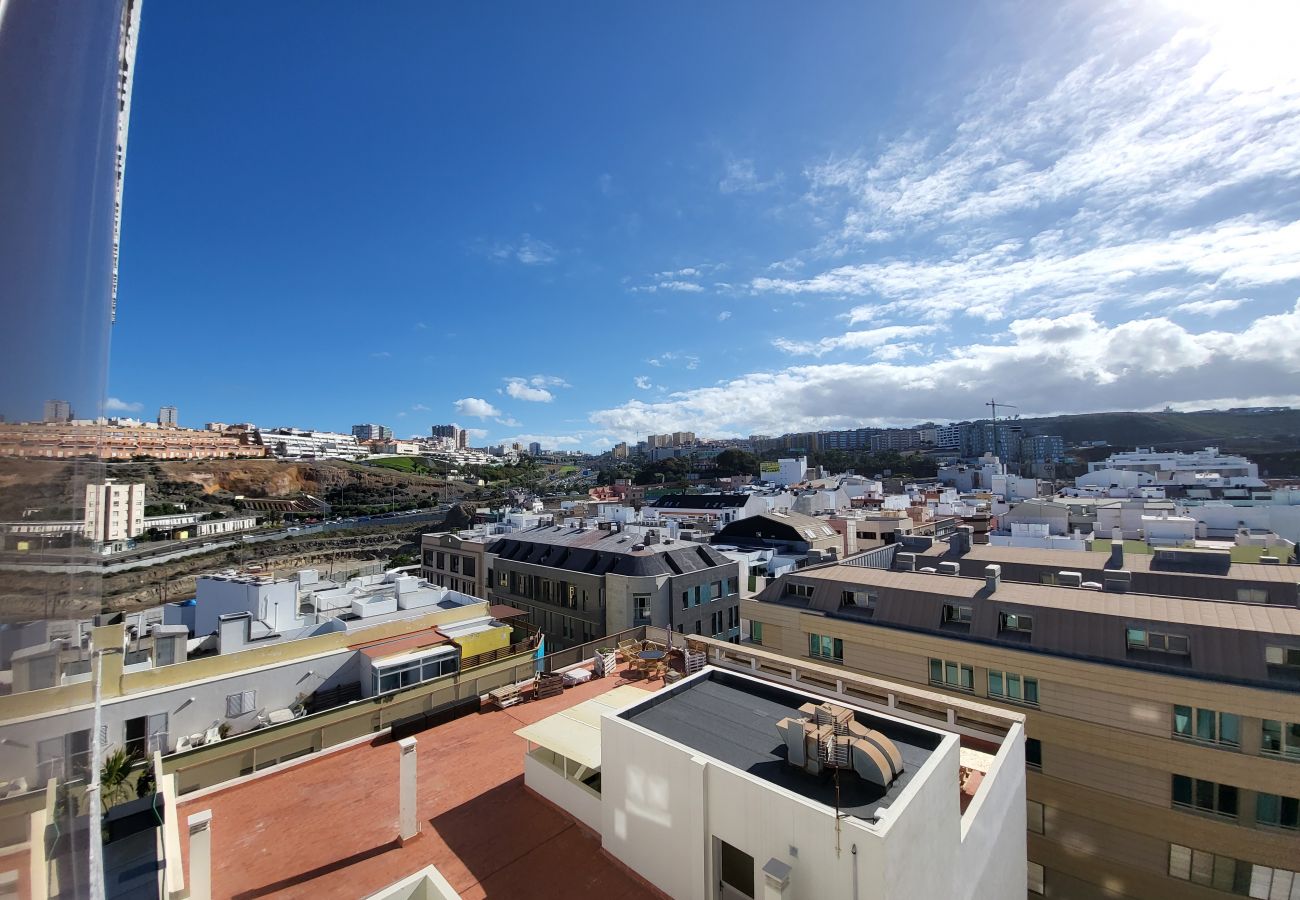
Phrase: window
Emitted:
{"points": [[1283, 656], [715, 590], [412, 672], [1207, 725], [641, 607], [442, 561], [469, 567], [1227, 874], [504, 580], [1010, 686], [731, 586], [756, 632], [1278, 811], [1034, 753], [826, 647], [1282, 738], [698, 596], [956, 614], [952, 674], [1205, 796], [1036, 879], [455, 563], [1016, 622], [1252, 595], [240, 703], [686, 599], [1141, 639], [1035, 817], [801, 590]]}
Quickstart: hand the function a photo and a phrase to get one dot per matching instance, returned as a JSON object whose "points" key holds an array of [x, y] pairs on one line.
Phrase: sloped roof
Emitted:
{"points": [[596, 552]]}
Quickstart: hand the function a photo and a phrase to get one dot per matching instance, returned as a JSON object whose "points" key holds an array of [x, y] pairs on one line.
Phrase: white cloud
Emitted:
{"points": [[688, 287], [1208, 307], [537, 389], [509, 422], [1070, 363], [1114, 166], [1017, 277], [527, 250], [112, 404], [477, 408], [548, 441], [381, 354], [740, 176], [522, 390], [642, 382], [477, 434], [724, 315], [419, 407], [854, 340]]}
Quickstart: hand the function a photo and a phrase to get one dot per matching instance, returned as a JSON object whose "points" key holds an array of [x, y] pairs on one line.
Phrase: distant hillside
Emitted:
{"points": [[1274, 431]]}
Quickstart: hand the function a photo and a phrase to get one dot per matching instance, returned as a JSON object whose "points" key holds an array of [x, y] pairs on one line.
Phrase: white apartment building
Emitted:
{"points": [[290, 443], [790, 471], [1207, 466], [726, 785], [114, 512]]}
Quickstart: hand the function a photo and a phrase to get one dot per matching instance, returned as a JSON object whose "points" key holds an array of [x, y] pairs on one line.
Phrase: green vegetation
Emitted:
{"points": [[1245, 554], [161, 509]]}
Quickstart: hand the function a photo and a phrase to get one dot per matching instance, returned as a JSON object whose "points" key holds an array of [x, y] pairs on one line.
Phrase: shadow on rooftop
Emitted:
{"points": [[318, 872], [514, 844]]}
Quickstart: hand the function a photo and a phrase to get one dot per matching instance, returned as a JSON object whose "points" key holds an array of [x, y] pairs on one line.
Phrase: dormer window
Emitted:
{"points": [[1142, 639], [1016, 622]]}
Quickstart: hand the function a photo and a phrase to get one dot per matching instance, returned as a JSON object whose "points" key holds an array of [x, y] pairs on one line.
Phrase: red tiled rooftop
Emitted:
{"points": [[327, 827]]}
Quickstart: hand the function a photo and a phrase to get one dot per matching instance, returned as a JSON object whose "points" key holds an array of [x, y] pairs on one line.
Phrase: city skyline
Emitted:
{"points": [[803, 223]]}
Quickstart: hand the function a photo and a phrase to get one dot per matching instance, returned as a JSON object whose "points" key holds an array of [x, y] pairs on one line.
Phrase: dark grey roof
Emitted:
{"points": [[733, 720], [781, 526], [597, 552], [701, 501]]}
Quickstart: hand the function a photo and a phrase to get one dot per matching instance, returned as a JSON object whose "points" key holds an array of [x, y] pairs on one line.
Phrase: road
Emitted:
{"points": [[156, 552]]}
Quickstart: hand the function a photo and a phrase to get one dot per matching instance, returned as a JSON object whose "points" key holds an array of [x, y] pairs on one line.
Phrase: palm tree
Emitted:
{"points": [[113, 776]]}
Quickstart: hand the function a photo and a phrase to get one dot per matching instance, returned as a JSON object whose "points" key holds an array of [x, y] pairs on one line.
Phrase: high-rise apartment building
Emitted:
{"points": [[1163, 733], [114, 512], [167, 417], [534, 449], [57, 411], [454, 432], [372, 432]]}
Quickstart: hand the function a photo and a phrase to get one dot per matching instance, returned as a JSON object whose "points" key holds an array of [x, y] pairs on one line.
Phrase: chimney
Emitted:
{"points": [[962, 539], [993, 578], [1116, 560]]}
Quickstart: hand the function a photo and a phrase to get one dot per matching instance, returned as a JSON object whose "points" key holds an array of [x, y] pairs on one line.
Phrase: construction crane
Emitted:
{"points": [[1005, 406]]}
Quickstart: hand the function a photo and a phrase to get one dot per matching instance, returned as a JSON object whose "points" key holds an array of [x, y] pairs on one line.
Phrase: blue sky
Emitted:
{"points": [[579, 223]]}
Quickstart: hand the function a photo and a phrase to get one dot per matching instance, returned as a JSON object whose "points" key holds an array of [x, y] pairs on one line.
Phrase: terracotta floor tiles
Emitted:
{"points": [[327, 827]]}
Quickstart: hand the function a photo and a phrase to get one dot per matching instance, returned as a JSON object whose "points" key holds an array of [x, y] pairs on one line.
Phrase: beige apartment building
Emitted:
{"points": [[1163, 733], [114, 511], [459, 564]]}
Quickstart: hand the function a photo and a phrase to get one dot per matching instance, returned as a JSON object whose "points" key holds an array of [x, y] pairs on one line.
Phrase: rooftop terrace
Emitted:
{"points": [[734, 720], [326, 826]]}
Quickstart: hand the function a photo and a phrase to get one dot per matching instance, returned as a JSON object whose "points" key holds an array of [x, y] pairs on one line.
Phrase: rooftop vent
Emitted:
{"points": [[993, 577], [827, 736], [1069, 579], [949, 568], [905, 562]]}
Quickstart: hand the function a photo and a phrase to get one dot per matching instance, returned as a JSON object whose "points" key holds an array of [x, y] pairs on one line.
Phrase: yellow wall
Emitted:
{"points": [[493, 639], [116, 683]]}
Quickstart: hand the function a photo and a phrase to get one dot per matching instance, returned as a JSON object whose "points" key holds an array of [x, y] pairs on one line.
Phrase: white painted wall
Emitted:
{"points": [[992, 860], [663, 805], [574, 798], [277, 687]]}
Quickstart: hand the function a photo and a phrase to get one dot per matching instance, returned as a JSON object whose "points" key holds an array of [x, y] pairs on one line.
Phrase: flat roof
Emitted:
{"points": [[1096, 559], [334, 818], [733, 719], [1273, 618], [404, 643]]}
